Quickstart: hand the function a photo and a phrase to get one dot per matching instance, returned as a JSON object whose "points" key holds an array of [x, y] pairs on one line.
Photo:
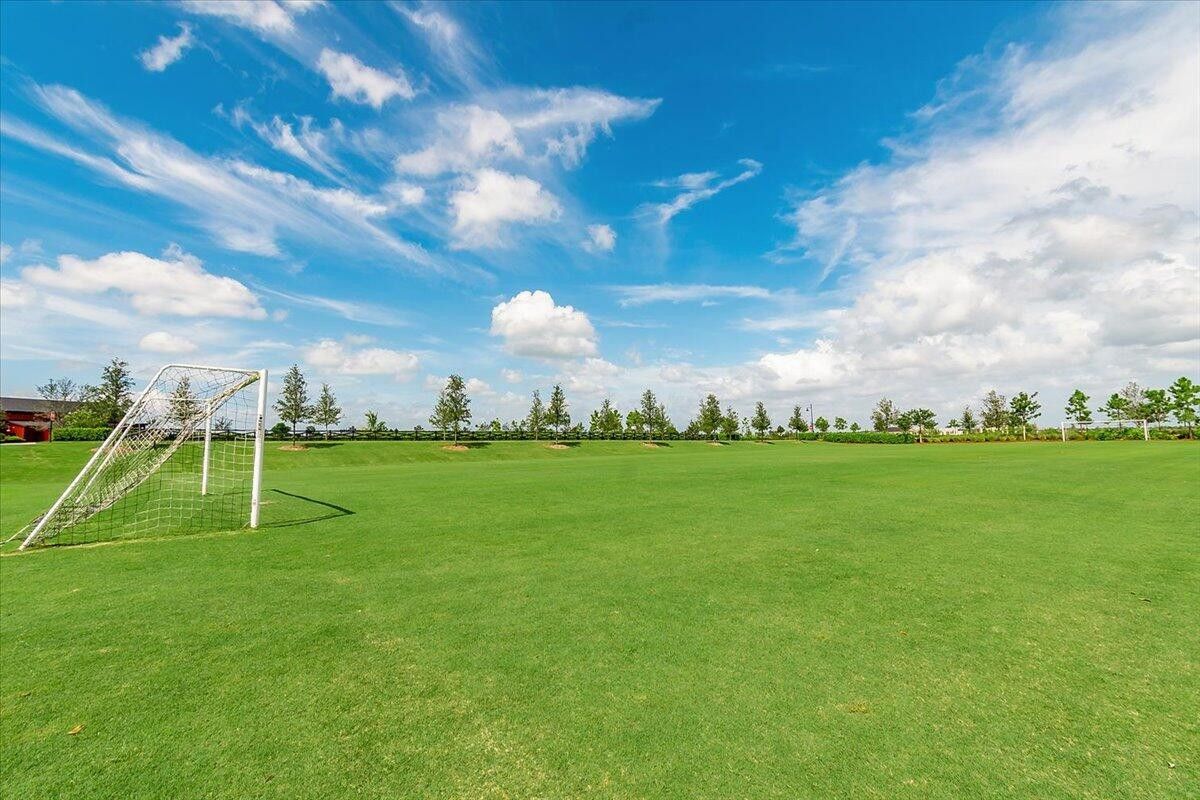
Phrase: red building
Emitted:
{"points": [[30, 418]]}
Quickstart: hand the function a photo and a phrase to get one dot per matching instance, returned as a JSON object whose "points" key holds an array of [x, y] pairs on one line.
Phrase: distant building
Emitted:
{"points": [[29, 418]]}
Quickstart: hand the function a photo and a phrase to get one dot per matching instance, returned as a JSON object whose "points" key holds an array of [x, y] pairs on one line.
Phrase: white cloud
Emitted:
{"points": [[511, 375], [5, 251], [532, 325], [699, 186], [407, 194], [522, 125], [601, 239], [355, 81], [303, 140], [346, 309], [174, 284], [168, 49], [245, 207], [343, 359], [457, 53], [491, 199], [684, 293], [165, 342], [14, 294], [1043, 233], [272, 18]]}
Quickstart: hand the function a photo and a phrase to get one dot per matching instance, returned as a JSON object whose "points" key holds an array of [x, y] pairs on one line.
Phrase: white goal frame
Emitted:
{"points": [[1112, 423], [105, 453]]}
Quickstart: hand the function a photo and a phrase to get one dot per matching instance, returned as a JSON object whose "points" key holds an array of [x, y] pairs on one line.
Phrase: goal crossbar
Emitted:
{"points": [[157, 428]]}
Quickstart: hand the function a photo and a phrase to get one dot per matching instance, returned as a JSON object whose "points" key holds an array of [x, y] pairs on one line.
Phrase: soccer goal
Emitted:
{"points": [[1119, 424], [187, 456]]}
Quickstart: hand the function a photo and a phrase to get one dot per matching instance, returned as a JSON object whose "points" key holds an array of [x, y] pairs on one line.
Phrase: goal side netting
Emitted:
{"points": [[186, 457]]}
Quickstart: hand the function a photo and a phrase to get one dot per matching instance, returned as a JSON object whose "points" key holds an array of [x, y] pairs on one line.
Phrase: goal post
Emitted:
{"points": [[186, 456], [1120, 424]]}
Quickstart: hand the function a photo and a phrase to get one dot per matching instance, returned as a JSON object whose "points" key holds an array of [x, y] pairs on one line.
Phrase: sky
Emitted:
{"points": [[795, 203]]}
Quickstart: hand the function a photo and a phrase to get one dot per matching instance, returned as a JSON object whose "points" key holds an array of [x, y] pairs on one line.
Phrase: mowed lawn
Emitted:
{"points": [[786, 620]]}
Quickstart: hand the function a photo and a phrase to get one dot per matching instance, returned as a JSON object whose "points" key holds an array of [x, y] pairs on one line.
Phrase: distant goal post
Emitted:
{"points": [[186, 456], [1108, 424]]}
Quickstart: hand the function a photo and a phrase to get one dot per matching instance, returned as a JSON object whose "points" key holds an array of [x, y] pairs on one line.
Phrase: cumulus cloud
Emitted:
{"points": [[532, 325], [600, 239], [167, 343], [175, 284], [343, 358], [490, 199], [353, 80], [5, 252], [1041, 224], [168, 49], [697, 187]]}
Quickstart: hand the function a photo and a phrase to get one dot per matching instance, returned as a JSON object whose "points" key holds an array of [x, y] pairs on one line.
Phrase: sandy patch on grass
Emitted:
{"points": [[558, 447], [653, 445], [716, 444], [455, 448], [293, 447]]}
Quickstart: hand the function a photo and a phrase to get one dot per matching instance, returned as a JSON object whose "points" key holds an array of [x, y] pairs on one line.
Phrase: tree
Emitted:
{"points": [[905, 421], [993, 412], [649, 411], [662, 422], [182, 402], [885, 414], [1185, 403], [556, 413], [729, 423], [796, 421], [1025, 409], [760, 422], [292, 405], [1156, 406], [105, 404], [326, 412], [1135, 400], [453, 406], [821, 424], [1116, 408], [374, 425], [968, 420], [839, 423], [537, 415], [924, 421], [855, 427], [55, 392], [1077, 409], [634, 421], [606, 420], [709, 418]]}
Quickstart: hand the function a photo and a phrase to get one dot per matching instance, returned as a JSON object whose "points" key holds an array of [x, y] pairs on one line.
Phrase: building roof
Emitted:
{"points": [[36, 405]]}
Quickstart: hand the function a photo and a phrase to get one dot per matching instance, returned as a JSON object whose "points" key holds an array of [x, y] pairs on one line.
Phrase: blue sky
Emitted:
{"points": [[791, 203]]}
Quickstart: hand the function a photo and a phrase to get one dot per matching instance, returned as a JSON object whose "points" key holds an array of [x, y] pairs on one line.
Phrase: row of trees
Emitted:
{"points": [[996, 413], [104, 403]]}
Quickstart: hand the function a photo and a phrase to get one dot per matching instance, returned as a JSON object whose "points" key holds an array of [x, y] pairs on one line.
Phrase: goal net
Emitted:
{"points": [[186, 457]]}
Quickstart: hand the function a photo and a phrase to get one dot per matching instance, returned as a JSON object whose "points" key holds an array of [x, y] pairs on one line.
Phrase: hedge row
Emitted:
{"points": [[66, 434]]}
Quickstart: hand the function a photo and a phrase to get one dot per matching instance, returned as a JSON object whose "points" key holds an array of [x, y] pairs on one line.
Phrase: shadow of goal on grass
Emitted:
{"points": [[304, 512]]}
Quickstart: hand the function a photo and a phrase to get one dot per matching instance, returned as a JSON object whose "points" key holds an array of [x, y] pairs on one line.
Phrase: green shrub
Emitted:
{"points": [[78, 434], [868, 437]]}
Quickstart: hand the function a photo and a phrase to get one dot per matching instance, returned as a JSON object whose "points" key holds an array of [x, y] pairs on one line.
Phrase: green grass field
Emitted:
{"points": [[786, 620]]}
